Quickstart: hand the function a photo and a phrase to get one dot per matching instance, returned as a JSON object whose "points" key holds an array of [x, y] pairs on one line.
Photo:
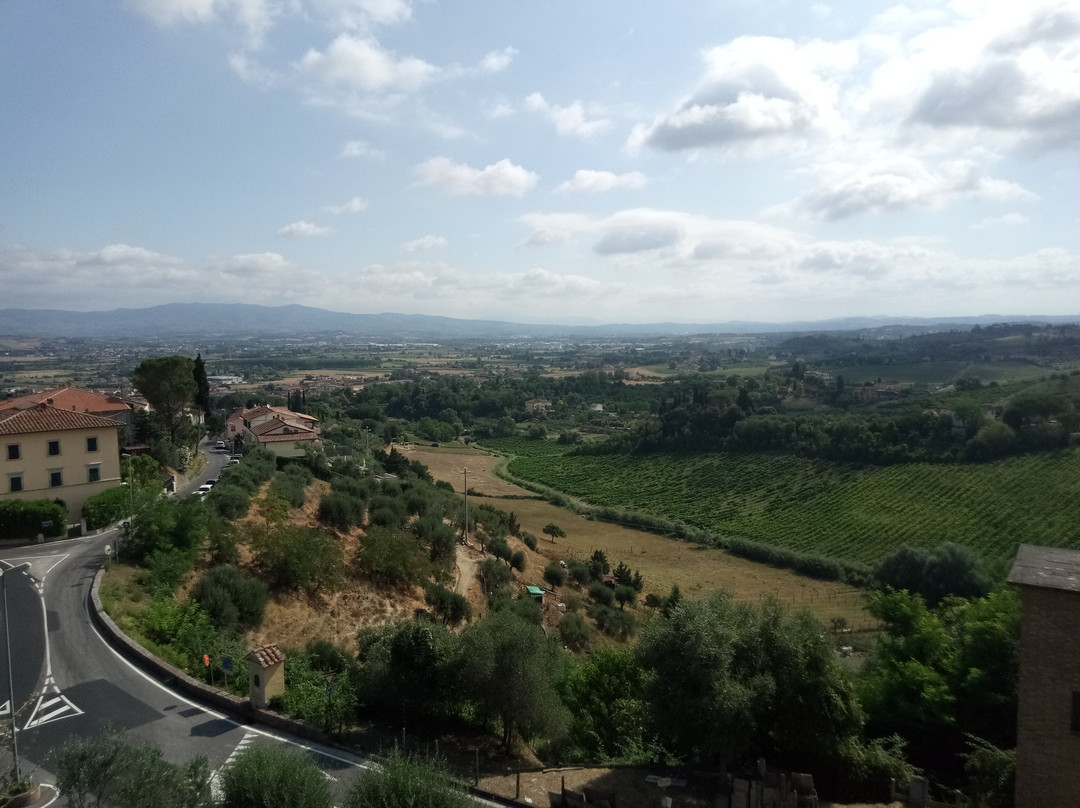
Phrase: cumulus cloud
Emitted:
{"points": [[755, 90], [304, 229], [900, 183], [570, 120], [354, 205], [359, 148], [255, 17], [458, 179], [636, 238], [497, 60], [586, 181], [428, 242], [361, 63]]}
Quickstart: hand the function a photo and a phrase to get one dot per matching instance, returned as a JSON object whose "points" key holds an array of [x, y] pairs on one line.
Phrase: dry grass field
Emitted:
{"points": [[663, 562]]}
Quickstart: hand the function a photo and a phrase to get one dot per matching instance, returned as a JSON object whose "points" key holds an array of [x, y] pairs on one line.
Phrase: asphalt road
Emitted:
{"points": [[68, 681]]}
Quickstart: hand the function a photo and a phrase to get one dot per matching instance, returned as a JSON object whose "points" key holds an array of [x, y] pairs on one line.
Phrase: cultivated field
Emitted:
{"points": [[662, 561], [826, 509]]}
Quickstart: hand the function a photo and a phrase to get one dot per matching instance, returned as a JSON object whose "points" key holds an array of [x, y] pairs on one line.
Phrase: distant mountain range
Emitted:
{"points": [[243, 319]]}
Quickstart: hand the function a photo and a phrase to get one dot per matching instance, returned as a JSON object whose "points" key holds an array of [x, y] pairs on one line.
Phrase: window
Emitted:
{"points": [[13, 451], [91, 444], [94, 474], [1075, 725], [56, 478], [54, 447], [15, 483]]}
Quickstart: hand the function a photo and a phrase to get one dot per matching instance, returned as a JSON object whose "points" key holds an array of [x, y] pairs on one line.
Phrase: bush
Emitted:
{"points": [[274, 775], [291, 484], [613, 622], [407, 782], [604, 595], [107, 507], [393, 556], [579, 572], [293, 557], [229, 500], [517, 561], [573, 632], [233, 601], [342, 511], [493, 576], [450, 607], [23, 518], [554, 574]]}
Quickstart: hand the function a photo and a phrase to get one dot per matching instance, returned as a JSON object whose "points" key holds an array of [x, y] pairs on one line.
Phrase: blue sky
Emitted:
{"points": [[567, 161]]}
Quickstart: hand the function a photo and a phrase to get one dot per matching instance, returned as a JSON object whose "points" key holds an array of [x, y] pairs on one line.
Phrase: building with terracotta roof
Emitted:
{"points": [[279, 429], [49, 452], [75, 400]]}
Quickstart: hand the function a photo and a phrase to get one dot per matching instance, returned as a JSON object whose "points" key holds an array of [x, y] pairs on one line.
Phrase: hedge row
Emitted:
{"points": [[24, 518]]}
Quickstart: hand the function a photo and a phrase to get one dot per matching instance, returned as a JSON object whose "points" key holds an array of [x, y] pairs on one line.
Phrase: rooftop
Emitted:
{"points": [[267, 655], [45, 418], [69, 398], [1046, 567]]}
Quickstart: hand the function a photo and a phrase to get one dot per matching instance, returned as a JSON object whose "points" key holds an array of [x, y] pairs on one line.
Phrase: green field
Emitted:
{"points": [[826, 509]]}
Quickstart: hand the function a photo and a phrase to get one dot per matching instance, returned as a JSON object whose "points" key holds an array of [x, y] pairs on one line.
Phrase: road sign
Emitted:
{"points": [[206, 660], [108, 549], [226, 664]]}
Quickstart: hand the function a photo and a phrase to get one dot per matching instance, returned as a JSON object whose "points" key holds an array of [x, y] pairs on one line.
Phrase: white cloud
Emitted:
{"points": [[457, 179], [361, 14], [361, 63], [256, 17], [428, 242], [1005, 220], [354, 205], [756, 90], [900, 183], [304, 229], [586, 181], [359, 148], [569, 120], [497, 60]]}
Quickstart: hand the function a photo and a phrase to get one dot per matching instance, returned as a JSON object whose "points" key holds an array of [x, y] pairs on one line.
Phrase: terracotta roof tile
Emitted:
{"points": [[267, 655], [69, 398], [43, 418]]}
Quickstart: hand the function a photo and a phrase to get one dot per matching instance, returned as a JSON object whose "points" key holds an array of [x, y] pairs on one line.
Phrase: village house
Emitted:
{"points": [[278, 429], [51, 452]]}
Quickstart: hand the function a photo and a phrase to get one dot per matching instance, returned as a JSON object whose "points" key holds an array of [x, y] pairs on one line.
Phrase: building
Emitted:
{"points": [[76, 400], [54, 453], [282, 431], [1048, 731]]}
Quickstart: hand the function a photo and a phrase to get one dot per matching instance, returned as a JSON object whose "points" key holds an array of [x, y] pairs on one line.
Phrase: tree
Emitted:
{"points": [[605, 695], [512, 668], [273, 775], [294, 557], [554, 574], [108, 772], [404, 781], [168, 383], [202, 385], [730, 679], [553, 531]]}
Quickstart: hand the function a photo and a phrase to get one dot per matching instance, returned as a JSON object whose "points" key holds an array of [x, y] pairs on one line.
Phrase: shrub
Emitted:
{"points": [[450, 607], [603, 595], [493, 576], [393, 556], [613, 622], [233, 601], [229, 500], [107, 507], [573, 632], [341, 510], [407, 782], [517, 561], [554, 574], [293, 557], [23, 519], [579, 572], [274, 775], [529, 539]]}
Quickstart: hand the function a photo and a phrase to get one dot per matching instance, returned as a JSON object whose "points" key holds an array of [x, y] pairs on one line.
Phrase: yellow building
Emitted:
{"points": [[52, 453]]}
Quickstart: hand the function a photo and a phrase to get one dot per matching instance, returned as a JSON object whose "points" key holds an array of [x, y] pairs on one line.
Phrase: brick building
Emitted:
{"points": [[1048, 734]]}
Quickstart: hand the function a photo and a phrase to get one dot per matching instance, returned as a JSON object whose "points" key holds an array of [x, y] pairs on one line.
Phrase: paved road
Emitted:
{"points": [[68, 681]]}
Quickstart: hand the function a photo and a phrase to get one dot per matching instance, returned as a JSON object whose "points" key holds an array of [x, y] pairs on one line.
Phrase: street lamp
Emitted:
{"points": [[7, 643]]}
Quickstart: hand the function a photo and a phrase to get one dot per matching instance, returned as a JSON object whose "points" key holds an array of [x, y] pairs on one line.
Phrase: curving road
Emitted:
{"points": [[68, 681]]}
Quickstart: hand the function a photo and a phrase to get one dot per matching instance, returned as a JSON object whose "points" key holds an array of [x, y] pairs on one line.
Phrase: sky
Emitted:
{"points": [[567, 161]]}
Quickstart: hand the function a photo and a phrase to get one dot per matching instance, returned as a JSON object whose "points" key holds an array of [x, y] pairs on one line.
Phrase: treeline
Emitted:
{"points": [[725, 420]]}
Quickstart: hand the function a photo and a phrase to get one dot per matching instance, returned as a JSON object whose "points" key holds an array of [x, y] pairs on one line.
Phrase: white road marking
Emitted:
{"points": [[52, 705]]}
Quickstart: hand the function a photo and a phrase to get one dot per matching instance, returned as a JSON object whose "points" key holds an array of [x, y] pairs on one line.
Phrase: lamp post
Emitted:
{"points": [[11, 684], [129, 526]]}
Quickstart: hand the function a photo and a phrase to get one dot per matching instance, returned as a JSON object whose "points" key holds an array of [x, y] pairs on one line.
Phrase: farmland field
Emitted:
{"points": [[847, 513], [664, 562]]}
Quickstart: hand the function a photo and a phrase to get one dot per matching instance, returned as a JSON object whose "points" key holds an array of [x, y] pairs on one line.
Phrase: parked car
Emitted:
{"points": [[204, 488], [234, 462], [219, 445]]}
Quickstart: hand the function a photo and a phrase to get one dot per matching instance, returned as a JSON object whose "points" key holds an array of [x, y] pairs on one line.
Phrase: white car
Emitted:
{"points": [[204, 488], [219, 445]]}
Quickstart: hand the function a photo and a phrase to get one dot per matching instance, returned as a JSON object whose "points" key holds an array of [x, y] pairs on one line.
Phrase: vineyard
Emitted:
{"points": [[846, 513]]}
